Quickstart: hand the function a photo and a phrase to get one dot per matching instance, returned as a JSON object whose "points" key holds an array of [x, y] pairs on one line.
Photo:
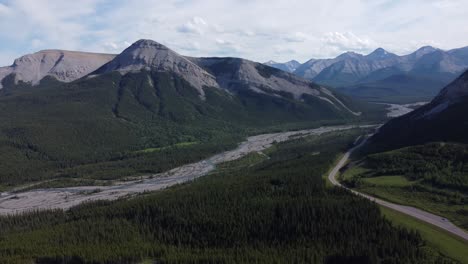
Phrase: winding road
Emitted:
{"points": [[424, 216]]}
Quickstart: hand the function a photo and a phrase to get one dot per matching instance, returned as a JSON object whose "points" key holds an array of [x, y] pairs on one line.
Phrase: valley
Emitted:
{"points": [[64, 198], [233, 132], [396, 110], [253, 209]]}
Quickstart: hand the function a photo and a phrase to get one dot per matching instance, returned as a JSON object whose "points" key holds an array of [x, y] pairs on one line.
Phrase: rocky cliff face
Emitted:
{"points": [[64, 65], [230, 74], [150, 55]]}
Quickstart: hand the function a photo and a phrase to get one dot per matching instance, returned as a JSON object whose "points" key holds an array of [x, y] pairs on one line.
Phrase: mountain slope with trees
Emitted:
{"points": [[100, 125]]}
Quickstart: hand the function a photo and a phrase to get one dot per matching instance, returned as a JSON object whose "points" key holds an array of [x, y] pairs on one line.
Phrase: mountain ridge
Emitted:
{"points": [[443, 119], [64, 65], [149, 55], [355, 74]]}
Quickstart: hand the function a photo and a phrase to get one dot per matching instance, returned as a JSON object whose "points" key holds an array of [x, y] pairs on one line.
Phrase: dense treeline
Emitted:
{"points": [[443, 165], [274, 209], [433, 177], [106, 123]]}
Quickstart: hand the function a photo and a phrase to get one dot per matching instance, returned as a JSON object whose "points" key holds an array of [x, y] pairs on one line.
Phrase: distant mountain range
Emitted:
{"points": [[443, 119], [384, 76]]}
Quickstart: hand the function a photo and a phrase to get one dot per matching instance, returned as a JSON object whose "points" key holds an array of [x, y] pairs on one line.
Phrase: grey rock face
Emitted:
{"points": [[150, 55], [233, 74], [237, 73], [230, 74], [64, 65]]}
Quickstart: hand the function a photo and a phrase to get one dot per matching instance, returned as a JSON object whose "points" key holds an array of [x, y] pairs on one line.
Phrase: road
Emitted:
{"points": [[64, 198], [408, 210]]}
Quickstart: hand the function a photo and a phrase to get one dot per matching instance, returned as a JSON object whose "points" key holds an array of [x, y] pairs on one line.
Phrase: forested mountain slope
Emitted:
{"points": [[110, 123]]}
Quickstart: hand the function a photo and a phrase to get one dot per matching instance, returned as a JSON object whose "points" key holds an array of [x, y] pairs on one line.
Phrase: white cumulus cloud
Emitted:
{"points": [[257, 30]]}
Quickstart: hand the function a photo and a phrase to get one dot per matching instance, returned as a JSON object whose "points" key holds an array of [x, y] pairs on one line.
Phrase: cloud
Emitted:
{"points": [[257, 30], [4, 10], [348, 41], [195, 26], [297, 37], [37, 43]]}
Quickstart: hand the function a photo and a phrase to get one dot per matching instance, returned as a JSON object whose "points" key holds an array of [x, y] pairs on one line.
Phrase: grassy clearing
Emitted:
{"points": [[436, 238], [245, 162], [389, 188], [178, 145], [393, 181], [398, 189], [351, 172]]}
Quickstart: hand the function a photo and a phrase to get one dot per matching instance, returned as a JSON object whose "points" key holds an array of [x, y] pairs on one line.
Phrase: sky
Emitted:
{"points": [[258, 30]]}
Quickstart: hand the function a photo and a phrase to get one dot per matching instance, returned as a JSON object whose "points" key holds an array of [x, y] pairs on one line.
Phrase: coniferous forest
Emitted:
{"points": [[273, 207]]}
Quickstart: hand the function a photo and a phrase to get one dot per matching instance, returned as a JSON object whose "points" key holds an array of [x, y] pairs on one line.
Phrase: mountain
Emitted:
{"points": [[149, 55], [380, 54], [349, 65], [229, 74], [117, 120], [398, 88], [422, 73], [65, 66], [443, 119], [289, 66]]}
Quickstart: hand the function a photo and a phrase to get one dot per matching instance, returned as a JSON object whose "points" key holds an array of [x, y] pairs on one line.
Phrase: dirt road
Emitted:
{"points": [[64, 198], [408, 210]]}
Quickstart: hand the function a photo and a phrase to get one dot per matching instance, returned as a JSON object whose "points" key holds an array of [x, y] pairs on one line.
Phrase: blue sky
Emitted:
{"points": [[259, 30]]}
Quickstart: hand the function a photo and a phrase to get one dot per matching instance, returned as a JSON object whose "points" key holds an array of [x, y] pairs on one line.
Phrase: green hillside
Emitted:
{"points": [[98, 128]]}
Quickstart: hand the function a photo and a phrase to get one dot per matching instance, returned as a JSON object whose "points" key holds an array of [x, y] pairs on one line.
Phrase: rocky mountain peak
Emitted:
{"points": [[380, 53], [148, 44], [270, 62], [152, 56], [423, 51], [349, 55], [63, 65]]}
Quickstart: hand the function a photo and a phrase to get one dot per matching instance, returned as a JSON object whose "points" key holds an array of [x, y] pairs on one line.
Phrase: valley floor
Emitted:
{"points": [[273, 207], [64, 198]]}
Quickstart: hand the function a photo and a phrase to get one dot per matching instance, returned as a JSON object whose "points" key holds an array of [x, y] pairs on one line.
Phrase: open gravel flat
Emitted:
{"points": [[63, 198]]}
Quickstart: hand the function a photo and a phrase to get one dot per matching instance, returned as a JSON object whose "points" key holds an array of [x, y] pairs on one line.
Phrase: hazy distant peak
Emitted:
{"points": [[380, 53], [349, 55], [423, 51], [289, 66], [270, 62]]}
